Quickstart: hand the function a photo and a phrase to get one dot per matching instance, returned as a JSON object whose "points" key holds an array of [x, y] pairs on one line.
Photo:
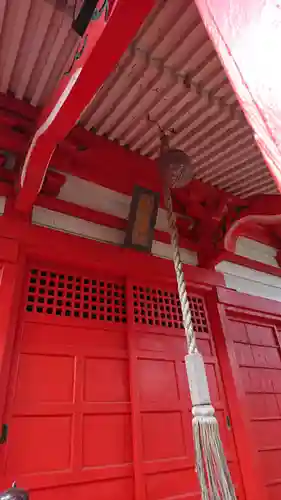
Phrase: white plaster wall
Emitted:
{"points": [[256, 251], [246, 280], [243, 279], [86, 229], [88, 194]]}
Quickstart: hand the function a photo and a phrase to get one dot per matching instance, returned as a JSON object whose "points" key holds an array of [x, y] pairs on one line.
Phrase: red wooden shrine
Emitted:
{"points": [[94, 399]]}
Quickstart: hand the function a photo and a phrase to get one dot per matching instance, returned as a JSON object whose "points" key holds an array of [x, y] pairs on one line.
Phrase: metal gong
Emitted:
{"points": [[175, 165], [176, 168]]}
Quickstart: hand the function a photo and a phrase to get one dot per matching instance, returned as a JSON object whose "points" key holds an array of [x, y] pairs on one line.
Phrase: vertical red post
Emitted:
{"points": [[134, 394], [11, 281]]}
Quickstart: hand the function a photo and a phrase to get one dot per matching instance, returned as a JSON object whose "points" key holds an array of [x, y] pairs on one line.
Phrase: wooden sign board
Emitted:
{"points": [[142, 219]]}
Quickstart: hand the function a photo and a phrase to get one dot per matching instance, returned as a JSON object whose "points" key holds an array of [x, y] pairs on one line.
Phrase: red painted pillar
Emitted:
{"points": [[11, 281], [247, 37]]}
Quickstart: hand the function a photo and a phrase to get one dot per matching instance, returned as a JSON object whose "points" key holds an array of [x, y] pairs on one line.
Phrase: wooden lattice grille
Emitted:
{"points": [[161, 308], [75, 296]]}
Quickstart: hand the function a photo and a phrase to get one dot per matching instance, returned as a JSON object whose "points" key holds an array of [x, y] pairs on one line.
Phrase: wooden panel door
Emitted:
{"points": [[166, 451], [69, 409], [254, 340], [98, 403]]}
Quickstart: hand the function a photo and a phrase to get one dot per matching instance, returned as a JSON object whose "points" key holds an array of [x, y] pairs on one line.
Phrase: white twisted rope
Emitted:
{"points": [[185, 307], [211, 464]]}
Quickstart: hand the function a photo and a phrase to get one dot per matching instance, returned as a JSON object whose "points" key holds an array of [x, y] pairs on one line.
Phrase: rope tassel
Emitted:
{"points": [[211, 465]]}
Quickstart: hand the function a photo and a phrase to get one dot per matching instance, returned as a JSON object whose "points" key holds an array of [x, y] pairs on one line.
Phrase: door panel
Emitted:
{"points": [[256, 346], [69, 410], [164, 399], [99, 405]]}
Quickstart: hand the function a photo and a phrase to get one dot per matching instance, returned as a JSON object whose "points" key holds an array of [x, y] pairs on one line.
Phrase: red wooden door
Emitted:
{"points": [[98, 403], [166, 453], [69, 407], [254, 339]]}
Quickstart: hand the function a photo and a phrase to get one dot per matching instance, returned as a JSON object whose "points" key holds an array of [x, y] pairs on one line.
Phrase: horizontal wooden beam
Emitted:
{"points": [[101, 218]]}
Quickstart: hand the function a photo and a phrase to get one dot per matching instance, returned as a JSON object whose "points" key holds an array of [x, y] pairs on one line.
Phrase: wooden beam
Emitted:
{"points": [[19, 108], [13, 140], [105, 162], [101, 47]]}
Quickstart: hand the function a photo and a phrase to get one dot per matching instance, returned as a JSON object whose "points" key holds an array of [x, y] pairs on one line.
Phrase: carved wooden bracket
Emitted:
{"points": [[219, 218]]}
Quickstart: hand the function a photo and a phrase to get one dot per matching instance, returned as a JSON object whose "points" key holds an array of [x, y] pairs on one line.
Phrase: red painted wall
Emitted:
{"points": [[44, 330]]}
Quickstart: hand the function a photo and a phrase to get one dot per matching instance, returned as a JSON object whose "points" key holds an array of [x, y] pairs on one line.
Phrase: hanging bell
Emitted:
{"points": [[14, 493], [175, 165]]}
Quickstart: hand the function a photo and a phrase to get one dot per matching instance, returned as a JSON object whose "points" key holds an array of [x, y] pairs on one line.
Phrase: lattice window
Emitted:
{"points": [[73, 296], [155, 307]]}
